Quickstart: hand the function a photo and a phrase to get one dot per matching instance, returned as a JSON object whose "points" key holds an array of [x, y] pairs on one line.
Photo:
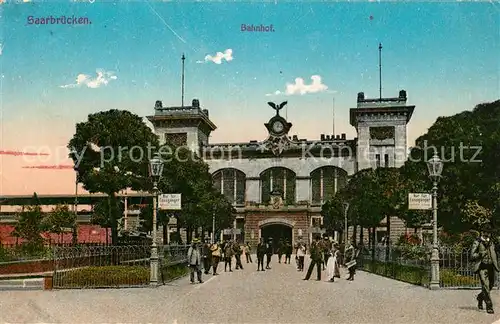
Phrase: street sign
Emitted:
{"points": [[232, 231], [421, 201], [169, 201]]}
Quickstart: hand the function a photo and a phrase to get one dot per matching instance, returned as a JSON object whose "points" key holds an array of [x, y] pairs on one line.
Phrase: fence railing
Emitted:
{"points": [[412, 264], [110, 266]]}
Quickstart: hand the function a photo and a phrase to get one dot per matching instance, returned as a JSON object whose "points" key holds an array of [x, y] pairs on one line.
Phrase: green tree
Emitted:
{"points": [[469, 145], [333, 212], [364, 196], [59, 220], [30, 225], [121, 161]]}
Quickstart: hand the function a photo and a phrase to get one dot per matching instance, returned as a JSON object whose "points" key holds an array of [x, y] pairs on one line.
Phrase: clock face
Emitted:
{"points": [[278, 126]]}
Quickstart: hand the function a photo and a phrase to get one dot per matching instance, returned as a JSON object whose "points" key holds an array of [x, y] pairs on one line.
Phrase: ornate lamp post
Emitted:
{"points": [[156, 170], [74, 239], [435, 167]]}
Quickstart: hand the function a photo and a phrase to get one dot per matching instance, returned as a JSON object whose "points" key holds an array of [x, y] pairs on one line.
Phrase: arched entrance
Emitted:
{"points": [[277, 229]]}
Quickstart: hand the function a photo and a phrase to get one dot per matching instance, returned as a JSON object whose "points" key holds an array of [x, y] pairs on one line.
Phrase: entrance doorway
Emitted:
{"points": [[277, 232]]}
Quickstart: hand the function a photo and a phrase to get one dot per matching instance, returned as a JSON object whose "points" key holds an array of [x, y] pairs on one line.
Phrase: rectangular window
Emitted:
{"points": [[377, 157], [386, 160], [176, 139]]}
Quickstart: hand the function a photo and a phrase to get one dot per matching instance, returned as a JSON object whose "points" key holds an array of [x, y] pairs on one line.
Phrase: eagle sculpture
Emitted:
{"points": [[277, 107]]}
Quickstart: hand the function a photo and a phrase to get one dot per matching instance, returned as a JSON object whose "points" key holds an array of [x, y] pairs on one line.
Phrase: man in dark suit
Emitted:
{"points": [[261, 251], [316, 260], [486, 263]]}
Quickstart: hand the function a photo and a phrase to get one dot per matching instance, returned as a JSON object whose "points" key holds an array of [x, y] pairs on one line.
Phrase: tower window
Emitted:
{"points": [[377, 157], [386, 160], [176, 139]]}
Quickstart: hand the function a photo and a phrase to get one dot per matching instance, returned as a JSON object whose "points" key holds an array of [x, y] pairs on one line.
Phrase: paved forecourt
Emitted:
{"points": [[278, 295]]}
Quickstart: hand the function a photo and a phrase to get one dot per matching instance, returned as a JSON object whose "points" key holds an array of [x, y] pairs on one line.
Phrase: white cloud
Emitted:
{"points": [[1, 48], [217, 59], [102, 78], [299, 87]]}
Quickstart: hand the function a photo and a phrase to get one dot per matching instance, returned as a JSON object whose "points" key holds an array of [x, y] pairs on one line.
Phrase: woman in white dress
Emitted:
{"points": [[332, 268]]}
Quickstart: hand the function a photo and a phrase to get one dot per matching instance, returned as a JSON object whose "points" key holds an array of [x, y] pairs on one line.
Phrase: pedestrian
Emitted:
{"points": [[288, 252], [486, 263], [228, 256], [301, 254], [350, 255], [216, 254], [280, 249], [326, 247], [269, 253], [237, 254], [261, 251], [316, 260], [332, 267], [207, 258], [194, 260], [248, 252]]}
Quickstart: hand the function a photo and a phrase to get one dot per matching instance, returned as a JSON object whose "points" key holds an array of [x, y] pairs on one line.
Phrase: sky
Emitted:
{"points": [[318, 56]]}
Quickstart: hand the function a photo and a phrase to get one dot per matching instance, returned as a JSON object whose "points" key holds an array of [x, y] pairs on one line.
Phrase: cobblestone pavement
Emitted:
{"points": [[275, 296]]}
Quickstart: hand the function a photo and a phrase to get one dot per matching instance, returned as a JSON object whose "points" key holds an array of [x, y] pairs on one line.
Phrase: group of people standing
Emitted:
{"points": [[208, 257], [325, 255]]}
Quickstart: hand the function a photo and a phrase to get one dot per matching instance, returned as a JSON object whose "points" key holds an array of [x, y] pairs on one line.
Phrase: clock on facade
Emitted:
{"points": [[278, 126]]}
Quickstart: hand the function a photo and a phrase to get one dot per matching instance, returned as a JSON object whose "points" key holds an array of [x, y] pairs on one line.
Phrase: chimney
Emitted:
{"points": [[327, 137], [295, 138], [322, 137], [158, 104], [343, 136], [337, 137], [402, 95], [196, 103], [361, 96]]}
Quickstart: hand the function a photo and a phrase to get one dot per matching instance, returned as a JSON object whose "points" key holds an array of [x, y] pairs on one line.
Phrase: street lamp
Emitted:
{"points": [[213, 228], [435, 167], [156, 170], [346, 228], [74, 238]]}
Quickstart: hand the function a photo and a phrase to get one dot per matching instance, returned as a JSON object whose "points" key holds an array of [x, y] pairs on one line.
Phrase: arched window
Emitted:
{"points": [[325, 182], [278, 179], [231, 183]]}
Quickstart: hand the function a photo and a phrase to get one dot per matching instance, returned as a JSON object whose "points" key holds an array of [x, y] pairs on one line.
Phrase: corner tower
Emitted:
{"points": [[381, 125], [184, 126]]}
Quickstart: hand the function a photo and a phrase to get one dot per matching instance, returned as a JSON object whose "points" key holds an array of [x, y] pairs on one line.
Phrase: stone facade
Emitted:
{"points": [[283, 179]]}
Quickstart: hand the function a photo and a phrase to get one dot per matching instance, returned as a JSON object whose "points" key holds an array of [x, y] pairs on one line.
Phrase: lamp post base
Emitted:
{"points": [[153, 280], [435, 281]]}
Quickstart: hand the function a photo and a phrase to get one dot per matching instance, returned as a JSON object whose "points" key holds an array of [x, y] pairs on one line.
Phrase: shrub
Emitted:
{"points": [[103, 277], [407, 273], [449, 278], [114, 276]]}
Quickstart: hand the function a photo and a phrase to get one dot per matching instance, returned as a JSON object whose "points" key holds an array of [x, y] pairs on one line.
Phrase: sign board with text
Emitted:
{"points": [[232, 231], [169, 202], [422, 201]]}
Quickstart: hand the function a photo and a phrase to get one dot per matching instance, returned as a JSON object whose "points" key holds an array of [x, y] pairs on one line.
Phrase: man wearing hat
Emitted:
{"points": [[194, 260], [486, 263]]}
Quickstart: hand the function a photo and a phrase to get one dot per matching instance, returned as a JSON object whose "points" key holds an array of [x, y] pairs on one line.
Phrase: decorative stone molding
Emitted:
{"points": [[273, 221]]}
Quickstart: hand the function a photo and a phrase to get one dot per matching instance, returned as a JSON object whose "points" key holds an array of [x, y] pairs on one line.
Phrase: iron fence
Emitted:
{"points": [[456, 269], [111, 266], [412, 264]]}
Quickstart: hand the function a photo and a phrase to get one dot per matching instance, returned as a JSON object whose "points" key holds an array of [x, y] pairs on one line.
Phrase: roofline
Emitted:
{"points": [[154, 118], [378, 110]]}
